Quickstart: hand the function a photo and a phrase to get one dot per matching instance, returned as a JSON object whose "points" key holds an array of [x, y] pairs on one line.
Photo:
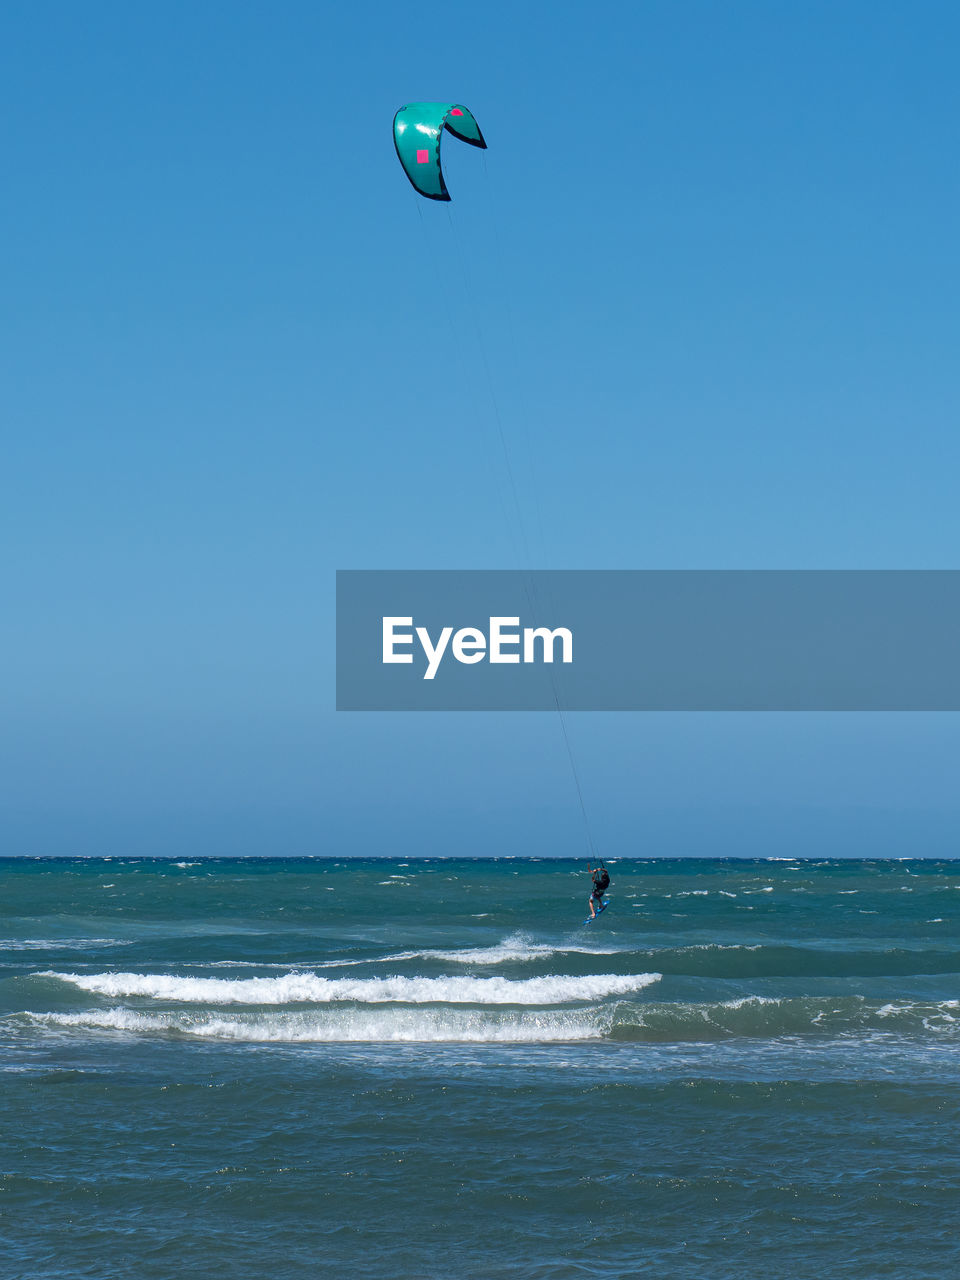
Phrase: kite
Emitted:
{"points": [[417, 130]]}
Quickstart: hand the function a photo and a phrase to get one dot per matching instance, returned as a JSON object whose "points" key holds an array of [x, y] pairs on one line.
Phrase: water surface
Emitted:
{"points": [[431, 1068]]}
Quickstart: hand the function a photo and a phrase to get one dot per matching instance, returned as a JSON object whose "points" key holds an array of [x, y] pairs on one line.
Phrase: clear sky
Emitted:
{"points": [[711, 257]]}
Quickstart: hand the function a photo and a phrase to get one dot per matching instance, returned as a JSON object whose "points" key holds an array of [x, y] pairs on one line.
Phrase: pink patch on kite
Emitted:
{"points": [[423, 157], [456, 112]]}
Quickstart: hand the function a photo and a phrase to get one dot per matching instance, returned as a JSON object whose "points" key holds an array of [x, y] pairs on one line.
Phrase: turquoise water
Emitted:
{"points": [[430, 1068]]}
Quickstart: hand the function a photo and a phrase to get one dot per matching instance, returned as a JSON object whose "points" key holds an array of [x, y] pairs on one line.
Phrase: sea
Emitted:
{"points": [[431, 1068]]}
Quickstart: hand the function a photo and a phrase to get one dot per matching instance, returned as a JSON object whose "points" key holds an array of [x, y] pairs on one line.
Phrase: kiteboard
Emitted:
{"points": [[602, 907]]}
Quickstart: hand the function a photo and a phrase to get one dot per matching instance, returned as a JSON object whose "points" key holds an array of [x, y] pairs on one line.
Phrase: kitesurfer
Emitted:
{"points": [[601, 881]]}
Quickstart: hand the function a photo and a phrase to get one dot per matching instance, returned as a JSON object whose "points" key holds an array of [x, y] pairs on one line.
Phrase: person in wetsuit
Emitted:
{"points": [[601, 881]]}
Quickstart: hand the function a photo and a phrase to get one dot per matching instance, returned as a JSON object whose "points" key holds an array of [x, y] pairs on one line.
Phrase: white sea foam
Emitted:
{"points": [[517, 947], [345, 1025], [746, 1002], [720, 946], [908, 1006], [753, 1016], [110, 1019], [58, 944], [771, 1017], [310, 988], [285, 966]]}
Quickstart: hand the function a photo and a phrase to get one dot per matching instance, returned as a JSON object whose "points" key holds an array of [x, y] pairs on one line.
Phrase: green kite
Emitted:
{"points": [[417, 130]]}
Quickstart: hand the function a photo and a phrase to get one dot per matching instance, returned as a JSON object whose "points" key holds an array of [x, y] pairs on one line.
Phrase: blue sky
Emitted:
{"points": [[711, 255]]}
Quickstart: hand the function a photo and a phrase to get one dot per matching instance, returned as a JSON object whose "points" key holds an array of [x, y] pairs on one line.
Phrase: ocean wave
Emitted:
{"points": [[750, 1017], [697, 959], [770, 1018], [517, 947], [380, 1026], [310, 988], [59, 944]]}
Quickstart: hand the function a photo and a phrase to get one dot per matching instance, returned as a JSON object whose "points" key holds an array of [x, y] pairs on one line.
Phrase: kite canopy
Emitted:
{"points": [[417, 130]]}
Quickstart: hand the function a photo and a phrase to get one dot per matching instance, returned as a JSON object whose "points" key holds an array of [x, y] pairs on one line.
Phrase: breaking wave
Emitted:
{"points": [[751, 1017], [518, 947], [391, 1025], [310, 988]]}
